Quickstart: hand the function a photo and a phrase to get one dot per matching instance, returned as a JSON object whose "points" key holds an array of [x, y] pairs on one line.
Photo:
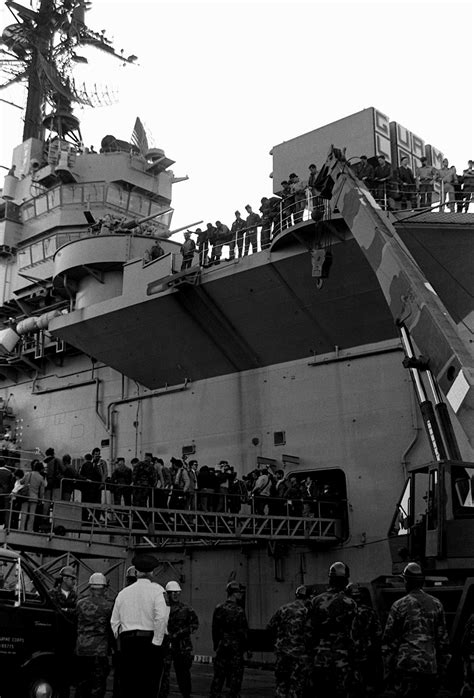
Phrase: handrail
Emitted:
{"points": [[87, 520]]}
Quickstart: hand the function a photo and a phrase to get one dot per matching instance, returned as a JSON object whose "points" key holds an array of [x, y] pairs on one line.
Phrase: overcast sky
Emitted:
{"points": [[220, 83]]}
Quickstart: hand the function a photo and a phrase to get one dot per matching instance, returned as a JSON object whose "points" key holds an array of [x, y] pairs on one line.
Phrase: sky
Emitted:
{"points": [[218, 84]]}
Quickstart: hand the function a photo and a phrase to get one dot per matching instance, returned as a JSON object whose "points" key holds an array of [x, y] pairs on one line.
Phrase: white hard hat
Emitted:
{"points": [[173, 586], [97, 580]]}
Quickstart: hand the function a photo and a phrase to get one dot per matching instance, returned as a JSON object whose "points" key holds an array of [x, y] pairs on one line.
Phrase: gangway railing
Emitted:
{"points": [[102, 524]]}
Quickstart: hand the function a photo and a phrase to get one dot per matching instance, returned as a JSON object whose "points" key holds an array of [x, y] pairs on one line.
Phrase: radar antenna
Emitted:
{"points": [[41, 48]]}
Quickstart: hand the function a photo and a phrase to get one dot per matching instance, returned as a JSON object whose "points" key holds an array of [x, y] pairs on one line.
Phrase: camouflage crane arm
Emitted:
{"points": [[413, 302]]}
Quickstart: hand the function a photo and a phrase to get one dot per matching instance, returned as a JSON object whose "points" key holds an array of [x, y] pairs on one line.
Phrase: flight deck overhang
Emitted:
{"points": [[161, 329], [243, 314]]}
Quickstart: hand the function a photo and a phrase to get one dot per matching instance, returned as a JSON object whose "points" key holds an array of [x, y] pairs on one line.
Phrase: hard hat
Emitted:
{"points": [[131, 571], [234, 587], [68, 571], [413, 571], [339, 569], [172, 586], [97, 580], [301, 592]]}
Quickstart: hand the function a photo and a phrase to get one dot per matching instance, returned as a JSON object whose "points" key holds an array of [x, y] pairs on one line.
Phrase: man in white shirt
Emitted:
{"points": [[139, 622]]}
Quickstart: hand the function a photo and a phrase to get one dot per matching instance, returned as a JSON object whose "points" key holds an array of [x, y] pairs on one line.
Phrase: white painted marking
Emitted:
{"points": [[458, 391]]}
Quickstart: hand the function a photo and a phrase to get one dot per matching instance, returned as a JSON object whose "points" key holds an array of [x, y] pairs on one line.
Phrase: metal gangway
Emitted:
{"points": [[109, 530]]}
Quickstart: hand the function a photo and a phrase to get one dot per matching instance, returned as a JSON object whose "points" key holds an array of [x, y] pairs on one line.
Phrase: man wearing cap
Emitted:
{"points": [[425, 175], [237, 230], [287, 627], [364, 171], [65, 597], [369, 651], [468, 185], [187, 250], [406, 182], [93, 639], [64, 594], [253, 220], [415, 642], [229, 636], [382, 180], [330, 638], [53, 474], [182, 623], [139, 619]]}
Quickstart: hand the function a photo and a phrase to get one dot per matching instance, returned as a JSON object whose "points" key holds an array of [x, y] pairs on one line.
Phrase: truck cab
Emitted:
{"points": [[434, 519], [31, 628]]}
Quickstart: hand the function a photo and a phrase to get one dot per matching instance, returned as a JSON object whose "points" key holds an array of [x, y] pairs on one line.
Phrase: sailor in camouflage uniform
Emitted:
{"points": [[369, 647], [288, 627], [415, 642], [331, 639], [144, 478], [467, 652], [93, 639], [229, 635], [64, 596], [182, 623]]}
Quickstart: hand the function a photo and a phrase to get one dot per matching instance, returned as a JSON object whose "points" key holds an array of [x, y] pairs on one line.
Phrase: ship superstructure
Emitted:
{"points": [[250, 360]]}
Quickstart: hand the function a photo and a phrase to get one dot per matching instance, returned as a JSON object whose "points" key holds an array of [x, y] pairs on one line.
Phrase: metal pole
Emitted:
{"points": [[429, 419]]}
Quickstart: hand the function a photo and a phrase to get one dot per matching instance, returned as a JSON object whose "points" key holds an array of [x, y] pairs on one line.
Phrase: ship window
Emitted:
{"points": [[37, 252], [54, 197], [71, 194], [117, 196], [41, 205], [24, 258], [279, 438], [28, 211], [49, 246], [94, 192], [138, 205]]}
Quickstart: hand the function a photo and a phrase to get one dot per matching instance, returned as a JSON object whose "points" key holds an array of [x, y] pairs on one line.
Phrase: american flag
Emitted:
{"points": [[139, 137]]}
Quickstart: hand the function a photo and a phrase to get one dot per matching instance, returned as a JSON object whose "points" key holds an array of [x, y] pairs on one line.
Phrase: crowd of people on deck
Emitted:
{"points": [[151, 483], [415, 189], [392, 187]]}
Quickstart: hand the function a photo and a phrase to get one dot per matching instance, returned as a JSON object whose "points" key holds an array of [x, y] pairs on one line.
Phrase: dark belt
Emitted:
{"points": [[137, 633]]}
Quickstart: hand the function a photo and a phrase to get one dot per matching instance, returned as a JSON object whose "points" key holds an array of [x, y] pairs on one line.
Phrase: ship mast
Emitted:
{"points": [[33, 127], [41, 49]]}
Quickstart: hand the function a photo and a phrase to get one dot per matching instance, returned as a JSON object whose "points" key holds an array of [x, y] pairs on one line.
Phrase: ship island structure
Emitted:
{"points": [[263, 361]]}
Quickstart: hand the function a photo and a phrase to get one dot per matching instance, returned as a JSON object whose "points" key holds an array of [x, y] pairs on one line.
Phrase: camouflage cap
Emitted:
{"points": [[301, 592], [353, 590], [413, 571], [339, 569], [234, 587], [67, 571]]}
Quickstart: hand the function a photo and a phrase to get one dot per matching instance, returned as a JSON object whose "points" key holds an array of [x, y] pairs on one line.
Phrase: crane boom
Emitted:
{"points": [[412, 300]]}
